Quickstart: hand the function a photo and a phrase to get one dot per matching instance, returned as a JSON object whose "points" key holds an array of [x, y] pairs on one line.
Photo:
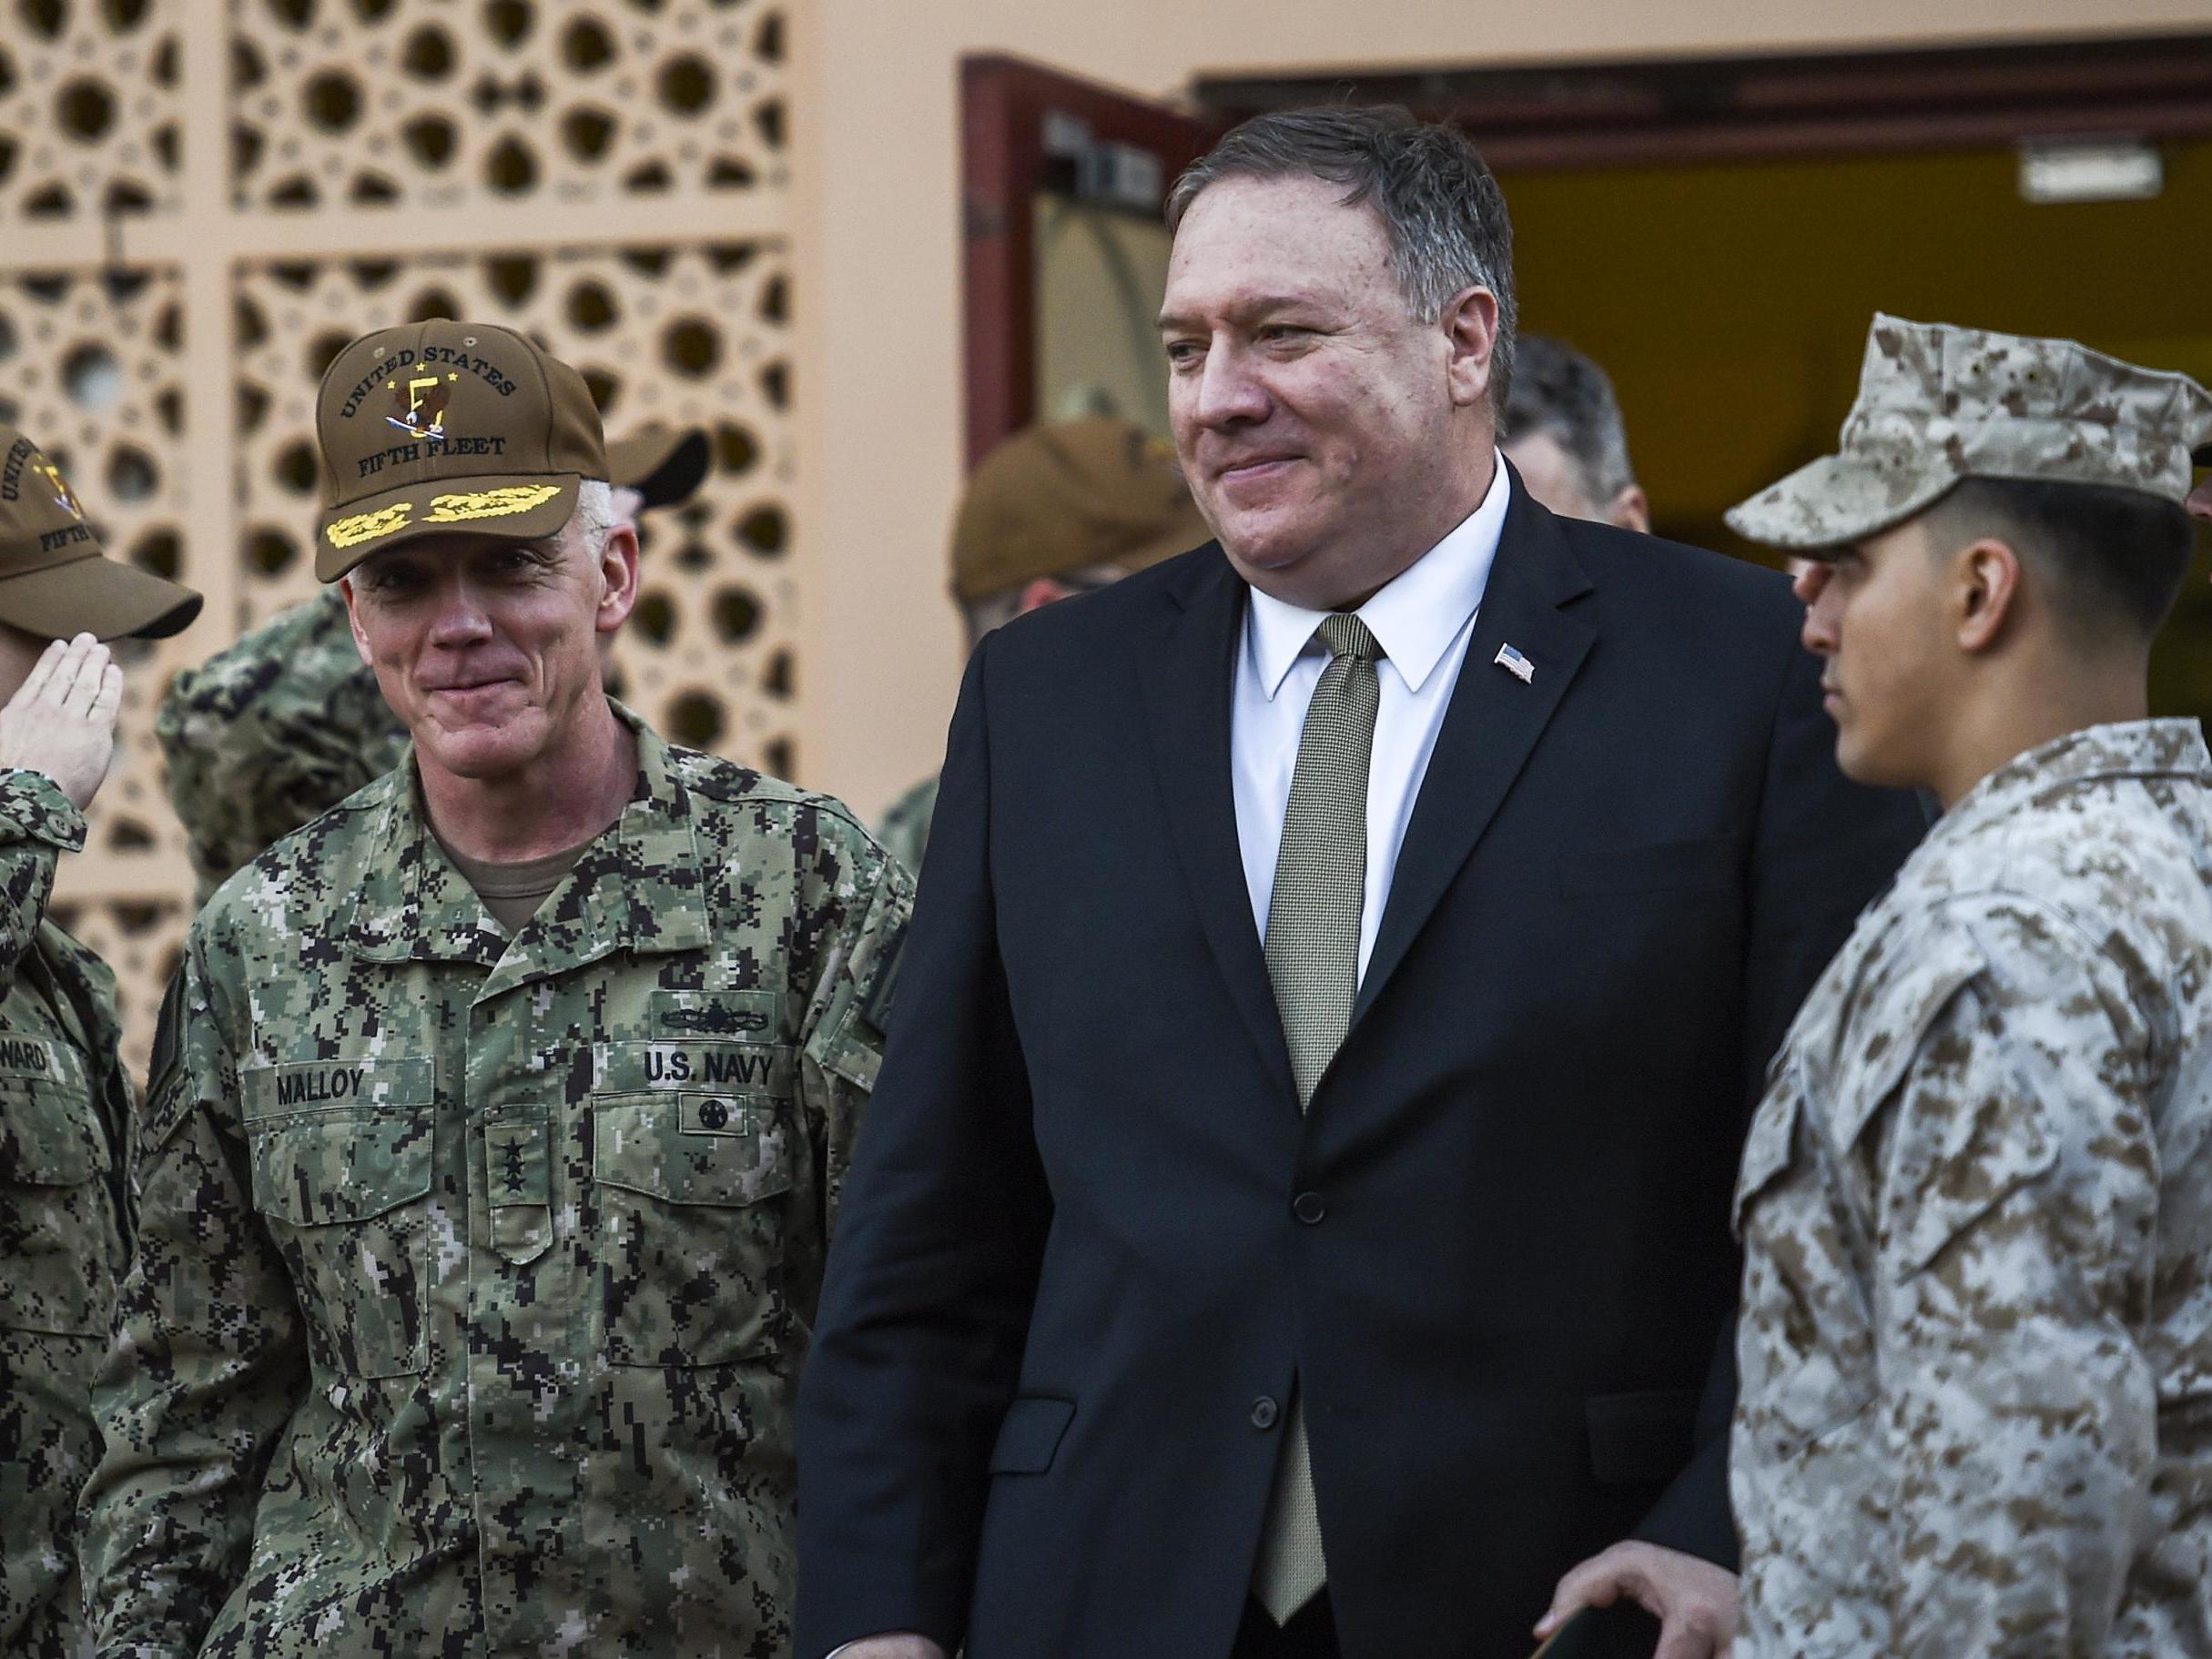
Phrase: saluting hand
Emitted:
{"points": [[63, 721]]}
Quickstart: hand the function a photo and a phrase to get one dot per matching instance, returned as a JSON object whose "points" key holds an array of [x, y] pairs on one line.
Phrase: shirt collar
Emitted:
{"points": [[1414, 618]]}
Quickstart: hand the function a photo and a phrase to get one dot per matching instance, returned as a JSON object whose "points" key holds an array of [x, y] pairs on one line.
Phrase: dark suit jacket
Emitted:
{"points": [[1089, 1241]]}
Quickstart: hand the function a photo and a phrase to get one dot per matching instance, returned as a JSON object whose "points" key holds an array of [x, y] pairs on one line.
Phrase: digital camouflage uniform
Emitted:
{"points": [[904, 833], [65, 1219], [476, 1273], [1976, 1413], [271, 733]]}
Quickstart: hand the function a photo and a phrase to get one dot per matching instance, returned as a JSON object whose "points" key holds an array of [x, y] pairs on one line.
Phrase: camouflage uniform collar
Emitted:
{"points": [[2131, 748], [637, 887]]}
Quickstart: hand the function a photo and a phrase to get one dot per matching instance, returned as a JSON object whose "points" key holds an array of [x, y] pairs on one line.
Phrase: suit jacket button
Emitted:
{"points": [[1308, 1207], [1264, 1412]]}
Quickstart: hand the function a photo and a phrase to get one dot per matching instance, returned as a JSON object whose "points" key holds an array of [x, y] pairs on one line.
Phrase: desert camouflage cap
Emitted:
{"points": [[1938, 404]]}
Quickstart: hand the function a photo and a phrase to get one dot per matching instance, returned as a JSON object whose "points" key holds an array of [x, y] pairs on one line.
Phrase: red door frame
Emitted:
{"points": [[1624, 114], [1533, 118], [1004, 105]]}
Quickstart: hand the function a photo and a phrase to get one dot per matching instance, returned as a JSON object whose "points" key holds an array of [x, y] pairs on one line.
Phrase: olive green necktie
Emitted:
{"points": [[1312, 961]]}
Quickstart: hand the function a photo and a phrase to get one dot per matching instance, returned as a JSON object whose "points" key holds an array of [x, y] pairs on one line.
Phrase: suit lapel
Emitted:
{"points": [[1491, 726], [1185, 670]]}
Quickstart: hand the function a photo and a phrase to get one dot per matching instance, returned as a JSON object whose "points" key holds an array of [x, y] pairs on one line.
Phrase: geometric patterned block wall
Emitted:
{"points": [[91, 110], [426, 101], [200, 200]]}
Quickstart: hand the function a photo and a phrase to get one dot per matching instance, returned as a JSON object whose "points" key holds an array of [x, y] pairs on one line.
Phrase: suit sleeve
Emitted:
{"points": [[933, 1266], [1822, 848]]}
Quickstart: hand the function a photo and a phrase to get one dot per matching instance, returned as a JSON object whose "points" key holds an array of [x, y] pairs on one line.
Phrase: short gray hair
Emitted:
{"points": [[595, 514], [1562, 395], [1442, 210]]}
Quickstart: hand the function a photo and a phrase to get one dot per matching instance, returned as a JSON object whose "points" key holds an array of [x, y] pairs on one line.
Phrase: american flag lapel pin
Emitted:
{"points": [[1515, 664]]}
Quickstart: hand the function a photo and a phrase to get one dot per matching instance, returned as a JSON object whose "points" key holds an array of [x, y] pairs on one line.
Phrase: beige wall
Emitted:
{"points": [[879, 386]]}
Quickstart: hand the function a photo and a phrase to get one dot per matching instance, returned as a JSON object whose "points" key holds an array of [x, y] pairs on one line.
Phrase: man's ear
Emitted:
{"points": [[1630, 511], [1041, 591], [1986, 589], [353, 620], [1470, 333], [618, 578]]}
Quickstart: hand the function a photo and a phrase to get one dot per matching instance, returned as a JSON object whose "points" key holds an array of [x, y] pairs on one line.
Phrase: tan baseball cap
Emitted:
{"points": [[446, 427], [1056, 498], [665, 464], [1938, 404], [56, 582]]}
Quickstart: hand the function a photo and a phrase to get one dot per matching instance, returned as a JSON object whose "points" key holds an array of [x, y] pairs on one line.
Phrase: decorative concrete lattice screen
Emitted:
{"points": [[201, 200]]}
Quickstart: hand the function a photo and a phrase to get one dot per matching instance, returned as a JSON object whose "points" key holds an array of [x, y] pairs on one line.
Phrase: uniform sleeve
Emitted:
{"points": [[2016, 1175], [37, 824], [206, 1364], [843, 1042]]}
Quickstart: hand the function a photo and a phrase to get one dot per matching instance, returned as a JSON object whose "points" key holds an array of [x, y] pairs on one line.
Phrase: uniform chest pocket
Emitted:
{"points": [[59, 1233], [690, 1175], [1805, 1342], [345, 1193]]}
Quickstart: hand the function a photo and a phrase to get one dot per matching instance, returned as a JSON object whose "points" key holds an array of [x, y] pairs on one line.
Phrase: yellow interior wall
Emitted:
{"points": [[1729, 303]]}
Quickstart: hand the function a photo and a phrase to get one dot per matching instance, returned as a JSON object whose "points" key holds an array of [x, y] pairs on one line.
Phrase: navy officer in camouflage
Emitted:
{"points": [[1057, 509], [64, 1101], [288, 722], [497, 1117], [1976, 1349]]}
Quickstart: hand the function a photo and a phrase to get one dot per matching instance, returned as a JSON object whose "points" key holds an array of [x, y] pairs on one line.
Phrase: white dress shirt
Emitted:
{"points": [[1423, 621]]}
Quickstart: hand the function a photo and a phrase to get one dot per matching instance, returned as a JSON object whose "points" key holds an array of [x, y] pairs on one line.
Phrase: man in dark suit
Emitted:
{"points": [[1295, 1216]]}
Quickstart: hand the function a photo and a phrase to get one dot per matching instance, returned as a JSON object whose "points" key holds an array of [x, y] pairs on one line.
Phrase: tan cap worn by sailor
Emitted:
{"points": [[665, 464], [1067, 494], [446, 427], [55, 580]]}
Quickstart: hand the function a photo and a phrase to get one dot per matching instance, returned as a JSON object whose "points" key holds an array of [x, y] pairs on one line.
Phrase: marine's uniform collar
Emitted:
{"points": [[637, 887], [2126, 749]]}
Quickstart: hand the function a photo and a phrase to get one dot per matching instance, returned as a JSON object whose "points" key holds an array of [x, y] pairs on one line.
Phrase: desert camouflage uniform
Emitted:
{"points": [[476, 1272], [1976, 1415], [272, 733], [904, 833], [65, 1219]]}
